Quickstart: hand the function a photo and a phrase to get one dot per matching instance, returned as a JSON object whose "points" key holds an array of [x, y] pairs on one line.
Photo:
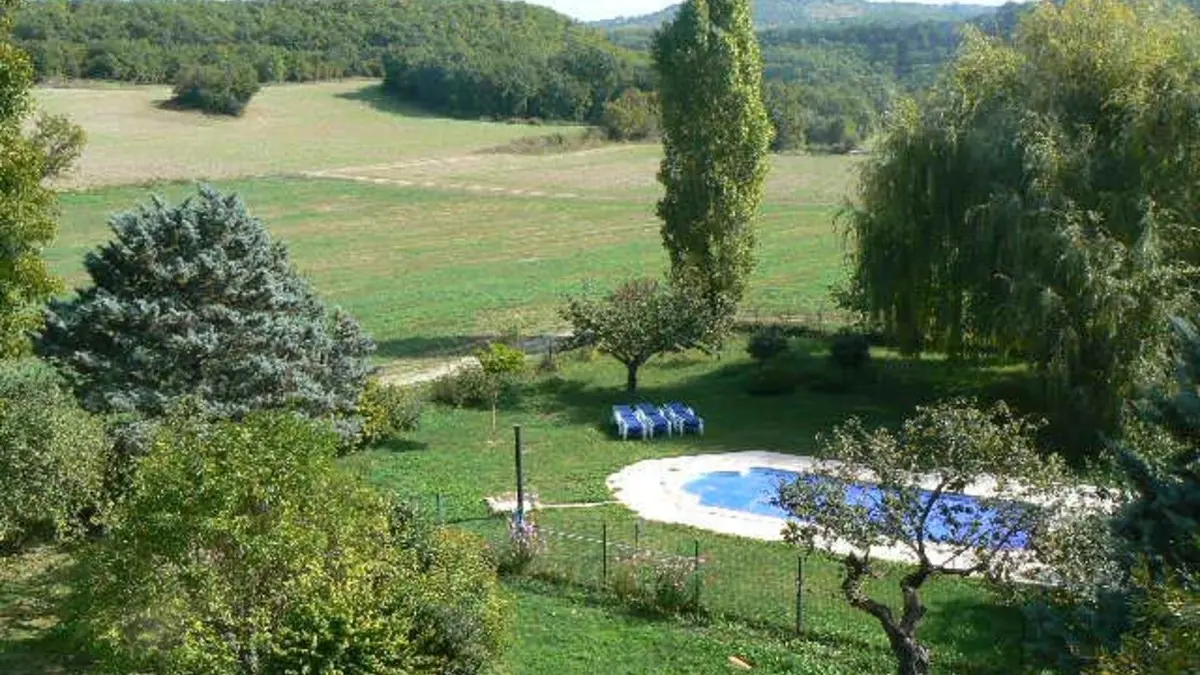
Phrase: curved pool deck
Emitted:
{"points": [[655, 490]]}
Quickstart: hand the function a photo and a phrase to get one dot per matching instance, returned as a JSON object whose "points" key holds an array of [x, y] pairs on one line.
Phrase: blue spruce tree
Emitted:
{"points": [[197, 301]]}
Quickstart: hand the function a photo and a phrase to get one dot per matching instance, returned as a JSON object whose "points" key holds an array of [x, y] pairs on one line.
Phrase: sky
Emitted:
{"points": [[594, 10]]}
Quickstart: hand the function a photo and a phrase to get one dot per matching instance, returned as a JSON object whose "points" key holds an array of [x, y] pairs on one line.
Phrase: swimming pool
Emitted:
{"points": [[751, 491]]}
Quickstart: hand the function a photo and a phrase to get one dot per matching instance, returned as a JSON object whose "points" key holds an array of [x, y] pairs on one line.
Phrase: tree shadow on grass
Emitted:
{"points": [[987, 632], [375, 96], [734, 418], [31, 640]]}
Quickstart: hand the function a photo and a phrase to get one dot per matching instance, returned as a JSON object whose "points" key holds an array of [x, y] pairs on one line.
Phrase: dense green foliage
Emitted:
{"points": [[243, 549], [27, 208], [1038, 204], [521, 61], [387, 411], [52, 454], [716, 136], [481, 57], [806, 13], [953, 444], [640, 319], [197, 300], [218, 89], [632, 116]]}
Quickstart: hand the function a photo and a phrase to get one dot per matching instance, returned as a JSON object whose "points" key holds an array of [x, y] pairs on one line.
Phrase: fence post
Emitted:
{"points": [[799, 595], [637, 534], [520, 476], [604, 553], [696, 571], [441, 511]]}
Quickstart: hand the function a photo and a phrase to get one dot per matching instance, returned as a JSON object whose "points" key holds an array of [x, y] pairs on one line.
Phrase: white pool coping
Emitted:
{"points": [[654, 489]]}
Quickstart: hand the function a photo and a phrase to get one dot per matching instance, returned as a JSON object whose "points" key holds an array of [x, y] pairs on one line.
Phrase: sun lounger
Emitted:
{"points": [[629, 422], [658, 421], [684, 418]]}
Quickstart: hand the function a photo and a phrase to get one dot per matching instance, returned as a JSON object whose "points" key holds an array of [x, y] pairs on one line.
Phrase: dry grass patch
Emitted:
{"points": [[286, 128]]}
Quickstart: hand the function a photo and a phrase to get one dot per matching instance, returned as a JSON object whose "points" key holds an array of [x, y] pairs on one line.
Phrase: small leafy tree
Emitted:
{"points": [[60, 141], [243, 548], [639, 320], [52, 454], [955, 444], [197, 300], [500, 364]]}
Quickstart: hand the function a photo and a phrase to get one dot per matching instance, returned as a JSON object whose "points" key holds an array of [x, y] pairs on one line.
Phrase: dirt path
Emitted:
{"points": [[533, 347]]}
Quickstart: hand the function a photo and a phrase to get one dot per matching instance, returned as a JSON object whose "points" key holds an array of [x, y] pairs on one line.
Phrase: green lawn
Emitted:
{"points": [[428, 270]]}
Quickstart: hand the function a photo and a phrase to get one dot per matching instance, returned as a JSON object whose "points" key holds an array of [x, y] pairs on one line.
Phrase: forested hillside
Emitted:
{"points": [[792, 13], [462, 57], [485, 58]]}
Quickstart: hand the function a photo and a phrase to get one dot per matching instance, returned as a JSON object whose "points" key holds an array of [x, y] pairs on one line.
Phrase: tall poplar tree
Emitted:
{"points": [[716, 136]]}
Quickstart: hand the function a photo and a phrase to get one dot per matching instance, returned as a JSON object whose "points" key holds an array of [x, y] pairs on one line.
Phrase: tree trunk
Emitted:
{"points": [[912, 656], [631, 376]]}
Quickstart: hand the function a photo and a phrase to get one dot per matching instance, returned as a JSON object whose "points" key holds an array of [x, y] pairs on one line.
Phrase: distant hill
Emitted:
{"points": [[802, 13]]}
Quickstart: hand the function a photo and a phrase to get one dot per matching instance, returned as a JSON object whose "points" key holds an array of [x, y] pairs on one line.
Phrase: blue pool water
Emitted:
{"points": [[752, 493]]}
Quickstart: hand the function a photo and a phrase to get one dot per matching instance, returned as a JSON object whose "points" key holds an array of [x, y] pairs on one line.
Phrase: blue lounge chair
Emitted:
{"points": [[658, 422], [629, 422], [684, 418]]}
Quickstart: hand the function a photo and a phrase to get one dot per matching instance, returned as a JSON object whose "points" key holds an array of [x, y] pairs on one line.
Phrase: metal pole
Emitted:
{"points": [[799, 595], [520, 477], [441, 510], [604, 552]]}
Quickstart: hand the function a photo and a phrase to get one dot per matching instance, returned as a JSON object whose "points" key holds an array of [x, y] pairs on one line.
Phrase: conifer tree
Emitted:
{"points": [[196, 300]]}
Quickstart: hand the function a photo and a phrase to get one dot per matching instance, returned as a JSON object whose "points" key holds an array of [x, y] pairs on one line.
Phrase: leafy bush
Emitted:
{"points": [[767, 343], [243, 548], [387, 411], [500, 359], [775, 378], [850, 351], [633, 116], [52, 455], [220, 90], [466, 387], [653, 583], [525, 543]]}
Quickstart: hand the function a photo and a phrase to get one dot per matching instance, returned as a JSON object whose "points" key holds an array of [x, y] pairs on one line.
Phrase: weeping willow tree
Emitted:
{"points": [[1041, 203]]}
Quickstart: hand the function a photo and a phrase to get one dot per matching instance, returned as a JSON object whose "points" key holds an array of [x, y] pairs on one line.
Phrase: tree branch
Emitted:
{"points": [[856, 570]]}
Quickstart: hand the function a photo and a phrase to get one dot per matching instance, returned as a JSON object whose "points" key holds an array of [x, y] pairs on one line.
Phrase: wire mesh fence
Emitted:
{"points": [[765, 585]]}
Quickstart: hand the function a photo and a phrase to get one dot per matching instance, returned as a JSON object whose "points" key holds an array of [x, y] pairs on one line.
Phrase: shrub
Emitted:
{"points": [[657, 584], [525, 543], [633, 116], [243, 548], [775, 378], [850, 351], [767, 343], [386, 411], [52, 455], [219, 89], [466, 387]]}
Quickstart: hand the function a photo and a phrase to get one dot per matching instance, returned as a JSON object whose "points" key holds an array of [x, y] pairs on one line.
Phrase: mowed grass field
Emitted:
{"points": [[286, 128], [415, 224]]}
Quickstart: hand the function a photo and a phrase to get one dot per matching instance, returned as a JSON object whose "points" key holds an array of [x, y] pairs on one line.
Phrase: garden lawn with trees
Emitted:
{"points": [[276, 506]]}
